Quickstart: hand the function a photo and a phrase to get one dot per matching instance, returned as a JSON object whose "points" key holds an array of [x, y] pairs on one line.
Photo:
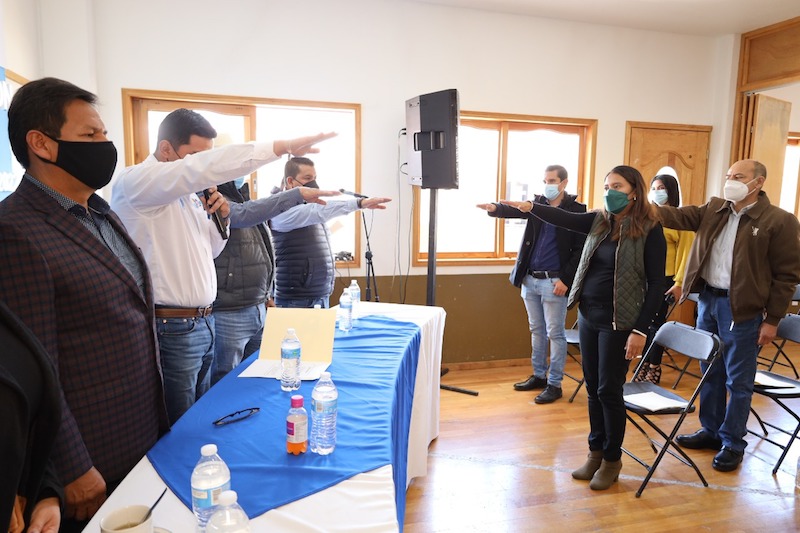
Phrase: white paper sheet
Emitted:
{"points": [[768, 381], [269, 368], [653, 401]]}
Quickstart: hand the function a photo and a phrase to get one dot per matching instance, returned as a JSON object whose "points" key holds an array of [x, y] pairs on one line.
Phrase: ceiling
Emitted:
{"points": [[692, 17]]}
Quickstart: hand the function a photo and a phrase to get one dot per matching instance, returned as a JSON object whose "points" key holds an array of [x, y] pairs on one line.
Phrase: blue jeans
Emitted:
{"points": [[238, 335], [303, 302], [733, 375], [546, 313], [187, 350]]}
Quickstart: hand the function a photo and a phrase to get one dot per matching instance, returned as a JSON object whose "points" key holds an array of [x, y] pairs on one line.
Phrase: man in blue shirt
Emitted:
{"points": [[545, 267], [304, 273]]}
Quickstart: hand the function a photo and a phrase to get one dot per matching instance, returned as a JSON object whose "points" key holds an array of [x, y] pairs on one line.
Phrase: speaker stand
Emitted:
{"points": [[431, 291]]}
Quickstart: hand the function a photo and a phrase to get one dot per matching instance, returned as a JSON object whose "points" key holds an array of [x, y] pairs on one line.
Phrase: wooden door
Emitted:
{"points": [[766, 130], [650, 146]]}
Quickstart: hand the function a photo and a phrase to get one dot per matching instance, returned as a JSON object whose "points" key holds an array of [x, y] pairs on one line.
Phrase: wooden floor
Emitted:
{"points": [[503, 464]]}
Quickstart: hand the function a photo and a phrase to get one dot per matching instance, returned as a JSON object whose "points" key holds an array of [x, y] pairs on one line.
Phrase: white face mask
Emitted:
{"points": [[551, 191], [736, 191], [658, 196]]}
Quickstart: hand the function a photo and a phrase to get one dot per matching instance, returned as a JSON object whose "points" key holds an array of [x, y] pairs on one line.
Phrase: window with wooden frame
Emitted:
{"points": [[242, 119], [500, 156]]}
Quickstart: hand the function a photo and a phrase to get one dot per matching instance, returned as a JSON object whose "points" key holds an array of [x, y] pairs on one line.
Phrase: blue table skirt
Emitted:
{"points": [[374, 367]]}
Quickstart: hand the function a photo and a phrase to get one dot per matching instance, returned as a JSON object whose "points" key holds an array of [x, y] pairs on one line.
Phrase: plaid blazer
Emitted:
{"points": [[90, 316]]}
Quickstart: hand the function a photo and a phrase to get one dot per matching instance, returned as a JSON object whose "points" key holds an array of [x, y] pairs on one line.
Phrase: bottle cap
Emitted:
{"points": [[297, 400], [208, 449], [290, 331], [353, 282], [228, 497], [325, 375]]}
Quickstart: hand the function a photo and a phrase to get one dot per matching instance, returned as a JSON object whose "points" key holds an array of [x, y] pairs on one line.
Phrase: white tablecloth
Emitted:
{"points": [[363, 503]]}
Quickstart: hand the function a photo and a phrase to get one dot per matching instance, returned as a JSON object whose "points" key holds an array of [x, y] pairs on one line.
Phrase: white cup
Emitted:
{"points": [[131, 516]]}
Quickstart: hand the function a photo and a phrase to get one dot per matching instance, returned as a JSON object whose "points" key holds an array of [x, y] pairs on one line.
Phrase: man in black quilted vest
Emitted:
{"points": [[304, 273]]}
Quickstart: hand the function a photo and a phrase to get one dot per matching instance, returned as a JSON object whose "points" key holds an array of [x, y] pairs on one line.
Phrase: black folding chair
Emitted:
{"points": [[574, 351], [778, 387], [788, 330], [649, 401], [673, 364]]}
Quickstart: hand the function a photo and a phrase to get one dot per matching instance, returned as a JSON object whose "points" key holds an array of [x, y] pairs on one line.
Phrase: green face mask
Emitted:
{"points": [[615, 201]]}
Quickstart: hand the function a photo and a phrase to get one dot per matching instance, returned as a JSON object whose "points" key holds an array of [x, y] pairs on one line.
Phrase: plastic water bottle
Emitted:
{"points": [[297, 427], [210, 478], [324, 399], [355, 296], [229, 516], [290, 361], [345, 310]]}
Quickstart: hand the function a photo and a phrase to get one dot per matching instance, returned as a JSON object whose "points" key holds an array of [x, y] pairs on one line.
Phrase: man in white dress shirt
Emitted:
{"points": [[158, 204]]}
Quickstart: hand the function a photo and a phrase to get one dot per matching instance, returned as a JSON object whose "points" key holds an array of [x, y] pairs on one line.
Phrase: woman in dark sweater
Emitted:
{"points": [[620, 285]]}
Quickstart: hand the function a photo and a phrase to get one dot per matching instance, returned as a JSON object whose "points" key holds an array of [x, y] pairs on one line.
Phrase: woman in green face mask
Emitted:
{"points": [[619, 286]]}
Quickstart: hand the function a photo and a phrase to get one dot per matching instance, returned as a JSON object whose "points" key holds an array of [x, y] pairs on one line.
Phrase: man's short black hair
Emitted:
{"points": [[292, 167], [41, 105], [178, 127]]}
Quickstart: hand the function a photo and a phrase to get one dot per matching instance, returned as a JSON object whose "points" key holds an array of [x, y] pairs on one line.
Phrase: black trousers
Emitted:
{"points": [[658, 321], [604, 369]]}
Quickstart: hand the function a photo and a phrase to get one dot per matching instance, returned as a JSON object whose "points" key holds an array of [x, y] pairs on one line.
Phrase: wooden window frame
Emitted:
{"points": [[585, 128]]}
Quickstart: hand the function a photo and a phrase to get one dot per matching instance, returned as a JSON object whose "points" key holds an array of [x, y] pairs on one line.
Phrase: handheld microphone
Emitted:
{"points": [[221, 228], [357, 195]]}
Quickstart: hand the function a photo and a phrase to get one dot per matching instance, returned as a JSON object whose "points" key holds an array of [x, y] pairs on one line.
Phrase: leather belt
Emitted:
{"points": [[544, 274], [183, 312], [721, 293]]}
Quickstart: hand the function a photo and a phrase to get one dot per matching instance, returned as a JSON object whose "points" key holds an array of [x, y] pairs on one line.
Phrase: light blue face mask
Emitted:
{"points": [[659, 196], [551, 191], [239, 182]]}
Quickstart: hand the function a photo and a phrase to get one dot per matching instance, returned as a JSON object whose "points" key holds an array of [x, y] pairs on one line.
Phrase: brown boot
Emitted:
{"points": [[593, 461], [606, 476]]}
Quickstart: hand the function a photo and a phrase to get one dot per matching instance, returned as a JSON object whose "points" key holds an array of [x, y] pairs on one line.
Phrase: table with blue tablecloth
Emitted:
{"points": [[387, 373]]}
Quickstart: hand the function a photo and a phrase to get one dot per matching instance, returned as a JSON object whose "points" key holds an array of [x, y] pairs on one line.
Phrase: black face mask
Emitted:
{"points": [[311, 184], [92, 163]]}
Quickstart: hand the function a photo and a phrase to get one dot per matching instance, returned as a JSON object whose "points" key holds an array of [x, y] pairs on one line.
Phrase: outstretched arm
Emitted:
{"points": [[580, 222]]}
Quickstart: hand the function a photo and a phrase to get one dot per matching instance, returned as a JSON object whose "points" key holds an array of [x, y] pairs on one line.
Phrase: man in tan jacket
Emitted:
{"points": [[745, 263]]}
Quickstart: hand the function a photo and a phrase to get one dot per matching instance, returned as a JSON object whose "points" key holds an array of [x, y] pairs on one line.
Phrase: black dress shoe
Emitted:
{"points": [[531, 383], [699, 440], [549, 395], [727, 460]]}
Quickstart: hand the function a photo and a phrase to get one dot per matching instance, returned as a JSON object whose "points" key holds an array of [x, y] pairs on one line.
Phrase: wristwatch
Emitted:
{"points": [[359, 201]]}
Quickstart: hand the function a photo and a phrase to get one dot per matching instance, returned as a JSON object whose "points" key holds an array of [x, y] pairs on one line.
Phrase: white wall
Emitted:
{"points": [[379, 53], [20, 47]]}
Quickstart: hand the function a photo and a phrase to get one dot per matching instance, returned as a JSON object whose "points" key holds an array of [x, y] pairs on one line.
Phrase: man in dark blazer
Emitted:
{"points": [[76, 279]]}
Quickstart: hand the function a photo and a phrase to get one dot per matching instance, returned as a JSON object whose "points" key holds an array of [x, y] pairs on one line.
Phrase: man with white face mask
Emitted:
{"points": [[745, 263], [546, 263]]}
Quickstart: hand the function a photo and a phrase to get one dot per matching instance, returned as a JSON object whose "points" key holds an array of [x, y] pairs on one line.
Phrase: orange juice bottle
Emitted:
{"points": [[297, 427]]}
